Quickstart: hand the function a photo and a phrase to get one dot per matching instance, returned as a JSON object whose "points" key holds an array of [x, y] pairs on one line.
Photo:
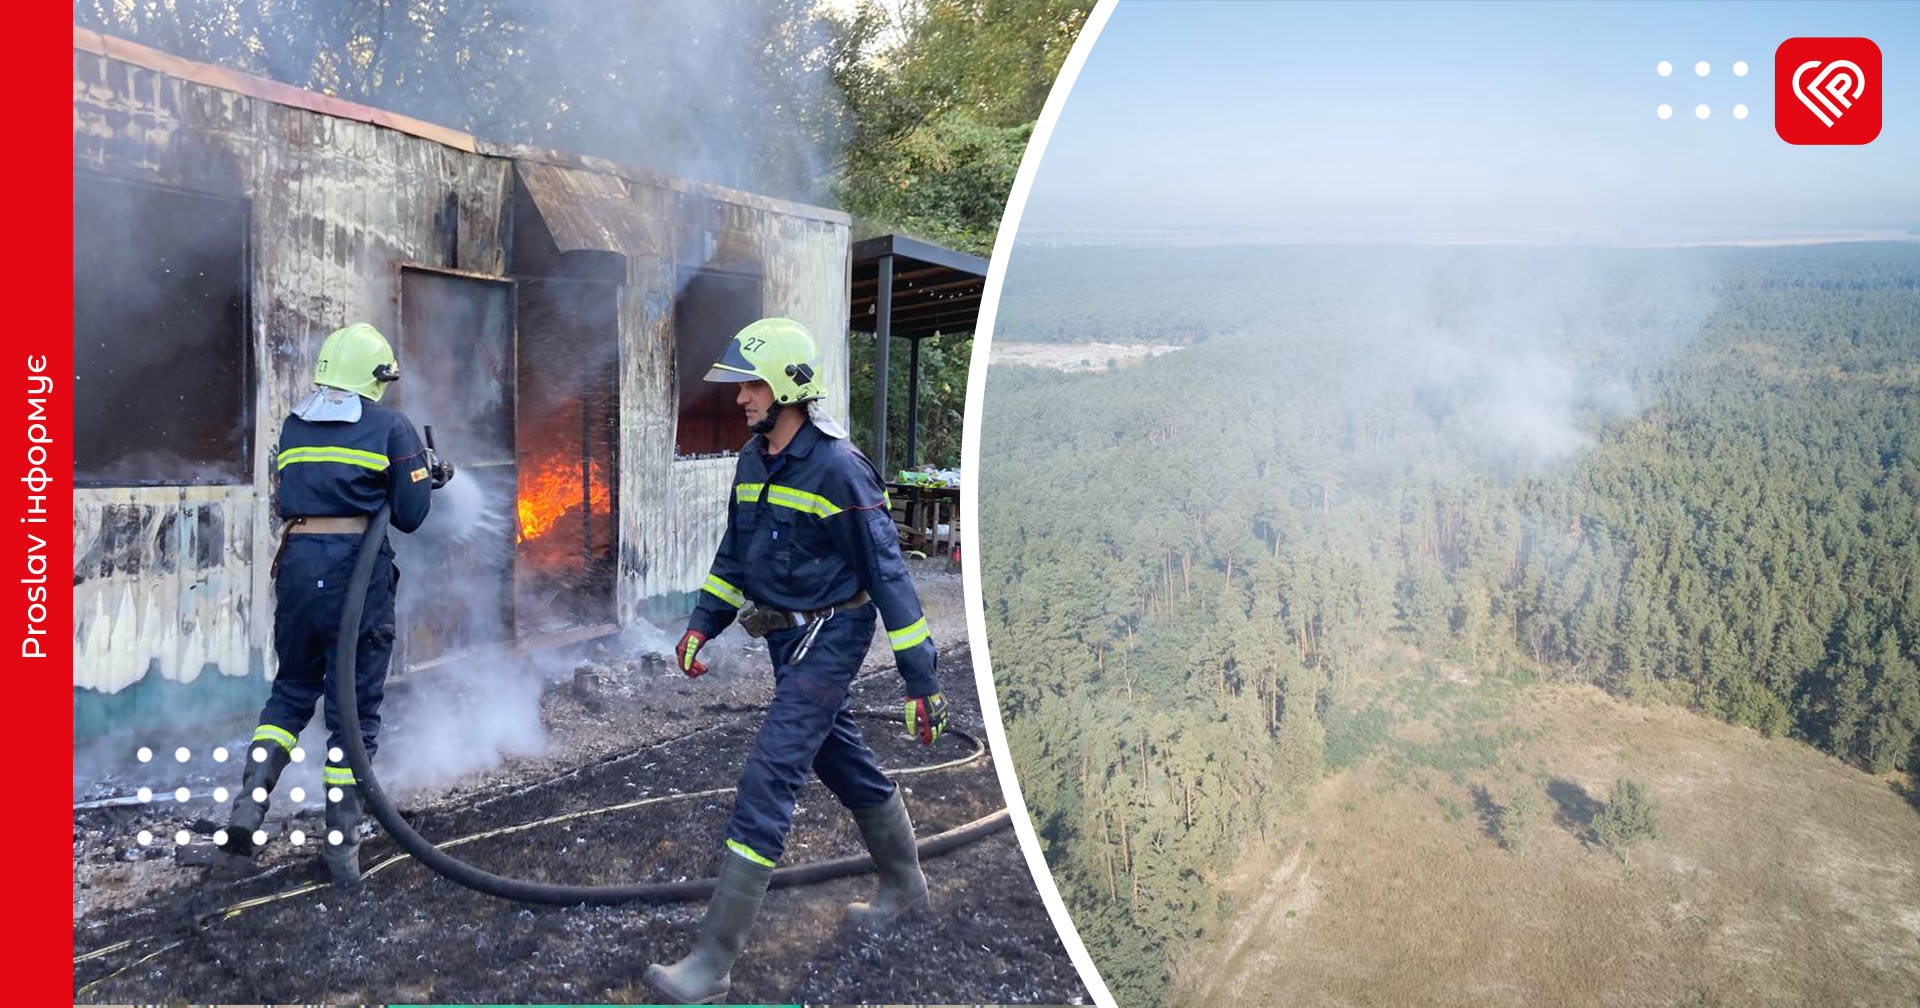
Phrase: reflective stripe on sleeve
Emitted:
{"points": [[337, 775], [747, 852], [331, 453], [909, 635], [724, 591]]}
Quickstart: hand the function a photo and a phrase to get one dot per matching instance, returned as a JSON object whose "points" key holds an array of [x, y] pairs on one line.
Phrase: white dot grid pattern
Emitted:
{"points": [[220, 794], [296, 838], [143, 837], [1701, 68], [259, 837], [144, 754], [183, 838], [335, 837], [182, 754], [335, 794], [145, 794], [259, 754], [220, 755], [298, 794], [182, 795], [220, 837], [335, 756], [298, 754], [259, 794]]}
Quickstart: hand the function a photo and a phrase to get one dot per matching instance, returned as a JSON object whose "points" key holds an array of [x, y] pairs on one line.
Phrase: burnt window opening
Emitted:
{"points": [[456, 349], [162, 363], [712, 305], [568, 449]]}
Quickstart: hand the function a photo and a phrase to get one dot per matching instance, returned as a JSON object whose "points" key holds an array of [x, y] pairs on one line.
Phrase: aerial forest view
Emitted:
{"points": [[1466, 625]]}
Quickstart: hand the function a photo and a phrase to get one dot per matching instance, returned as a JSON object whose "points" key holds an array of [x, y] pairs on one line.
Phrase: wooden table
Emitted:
{"points": [[919, 511]]}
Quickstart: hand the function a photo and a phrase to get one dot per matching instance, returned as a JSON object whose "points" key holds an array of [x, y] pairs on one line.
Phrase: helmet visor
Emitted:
{"points": [[733, 366]]}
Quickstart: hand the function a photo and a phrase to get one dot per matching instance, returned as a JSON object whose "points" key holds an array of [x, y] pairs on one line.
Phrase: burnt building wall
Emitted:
{"points": [[171, 574]]}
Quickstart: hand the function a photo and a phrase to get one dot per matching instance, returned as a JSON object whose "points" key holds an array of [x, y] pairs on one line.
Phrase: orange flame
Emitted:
{"points": [[553, 488]]}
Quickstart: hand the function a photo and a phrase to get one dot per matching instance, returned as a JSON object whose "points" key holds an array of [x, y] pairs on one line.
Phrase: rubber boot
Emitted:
{"points": [[705, 974], [248, 814], [342, 859], [889, 836]]}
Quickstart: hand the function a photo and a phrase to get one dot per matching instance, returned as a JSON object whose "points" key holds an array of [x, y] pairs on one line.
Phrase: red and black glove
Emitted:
{"points": [[926, 717], [688, 647]]}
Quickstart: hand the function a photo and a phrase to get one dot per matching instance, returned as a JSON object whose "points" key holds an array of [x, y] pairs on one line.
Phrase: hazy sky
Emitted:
{"points": [[1389, 120]]}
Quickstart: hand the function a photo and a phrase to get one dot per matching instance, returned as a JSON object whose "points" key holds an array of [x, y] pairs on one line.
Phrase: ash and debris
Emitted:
{"points": [[616, 723]]}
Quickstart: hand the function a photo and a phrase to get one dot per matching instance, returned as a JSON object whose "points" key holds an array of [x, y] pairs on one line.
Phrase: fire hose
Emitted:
{"points": [[524, 890], [201, 919]]}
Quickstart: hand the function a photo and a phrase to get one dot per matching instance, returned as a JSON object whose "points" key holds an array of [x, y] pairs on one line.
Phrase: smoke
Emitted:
{"points": [[1512, 405], [736, 92], [463, 717], [1518, 357]]}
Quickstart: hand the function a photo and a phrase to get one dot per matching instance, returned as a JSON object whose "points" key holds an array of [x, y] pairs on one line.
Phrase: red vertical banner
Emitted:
{"points": [[38, 369]]}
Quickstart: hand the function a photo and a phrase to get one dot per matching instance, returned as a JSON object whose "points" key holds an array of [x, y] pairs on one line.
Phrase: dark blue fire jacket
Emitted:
{"points": [[806, 529], [339, 469]]}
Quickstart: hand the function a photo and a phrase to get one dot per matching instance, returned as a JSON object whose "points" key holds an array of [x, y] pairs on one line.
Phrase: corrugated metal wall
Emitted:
{"points": [[166, 578]]}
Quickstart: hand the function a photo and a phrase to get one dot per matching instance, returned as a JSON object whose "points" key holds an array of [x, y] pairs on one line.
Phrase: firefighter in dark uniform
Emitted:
{"points": [[341, 456], [809, 560]]}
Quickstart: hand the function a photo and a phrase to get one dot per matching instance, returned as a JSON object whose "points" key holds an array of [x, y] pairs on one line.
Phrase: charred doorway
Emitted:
{"points": [[711, 307], [567, 539], [457, 361]]}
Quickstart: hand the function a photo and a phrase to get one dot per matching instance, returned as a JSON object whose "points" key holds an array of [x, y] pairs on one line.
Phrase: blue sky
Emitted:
{"points": [[1512, 119]]}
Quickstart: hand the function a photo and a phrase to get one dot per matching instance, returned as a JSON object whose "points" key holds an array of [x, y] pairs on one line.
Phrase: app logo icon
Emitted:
{"points": [[1826, 91]]}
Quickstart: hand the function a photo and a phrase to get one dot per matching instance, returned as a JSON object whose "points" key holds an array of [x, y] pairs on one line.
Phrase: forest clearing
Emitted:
{"points": [[1397, 885]]}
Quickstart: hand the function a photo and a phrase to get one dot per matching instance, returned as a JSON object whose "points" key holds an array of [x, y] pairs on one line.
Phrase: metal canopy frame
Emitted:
{"points": [[911, 289]]}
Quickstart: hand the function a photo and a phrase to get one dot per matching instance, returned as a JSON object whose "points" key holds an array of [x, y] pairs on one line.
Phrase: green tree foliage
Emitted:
{"points": [[1631, 816], [1683, 476], [1520, 816], [942, 111], [943, 397]]}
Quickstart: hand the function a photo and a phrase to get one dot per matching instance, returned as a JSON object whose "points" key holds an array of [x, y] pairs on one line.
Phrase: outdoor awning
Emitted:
{"points": [[908, 288], [934, 291]]}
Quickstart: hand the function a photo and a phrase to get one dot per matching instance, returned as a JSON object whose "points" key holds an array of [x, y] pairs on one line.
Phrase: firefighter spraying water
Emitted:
{"points": [[342, 456]]}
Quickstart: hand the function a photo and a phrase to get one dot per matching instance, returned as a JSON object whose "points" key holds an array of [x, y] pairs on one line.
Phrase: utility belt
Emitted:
{"points": [[328, 525], [317, 525], [760, 620]]}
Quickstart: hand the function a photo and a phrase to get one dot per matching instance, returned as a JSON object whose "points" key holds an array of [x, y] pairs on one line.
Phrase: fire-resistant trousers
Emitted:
{"points": [[810, 724], [308, 596]]}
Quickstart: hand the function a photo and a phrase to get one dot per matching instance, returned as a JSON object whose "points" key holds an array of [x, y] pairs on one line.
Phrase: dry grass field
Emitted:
{"points": [[1780, 876]]}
